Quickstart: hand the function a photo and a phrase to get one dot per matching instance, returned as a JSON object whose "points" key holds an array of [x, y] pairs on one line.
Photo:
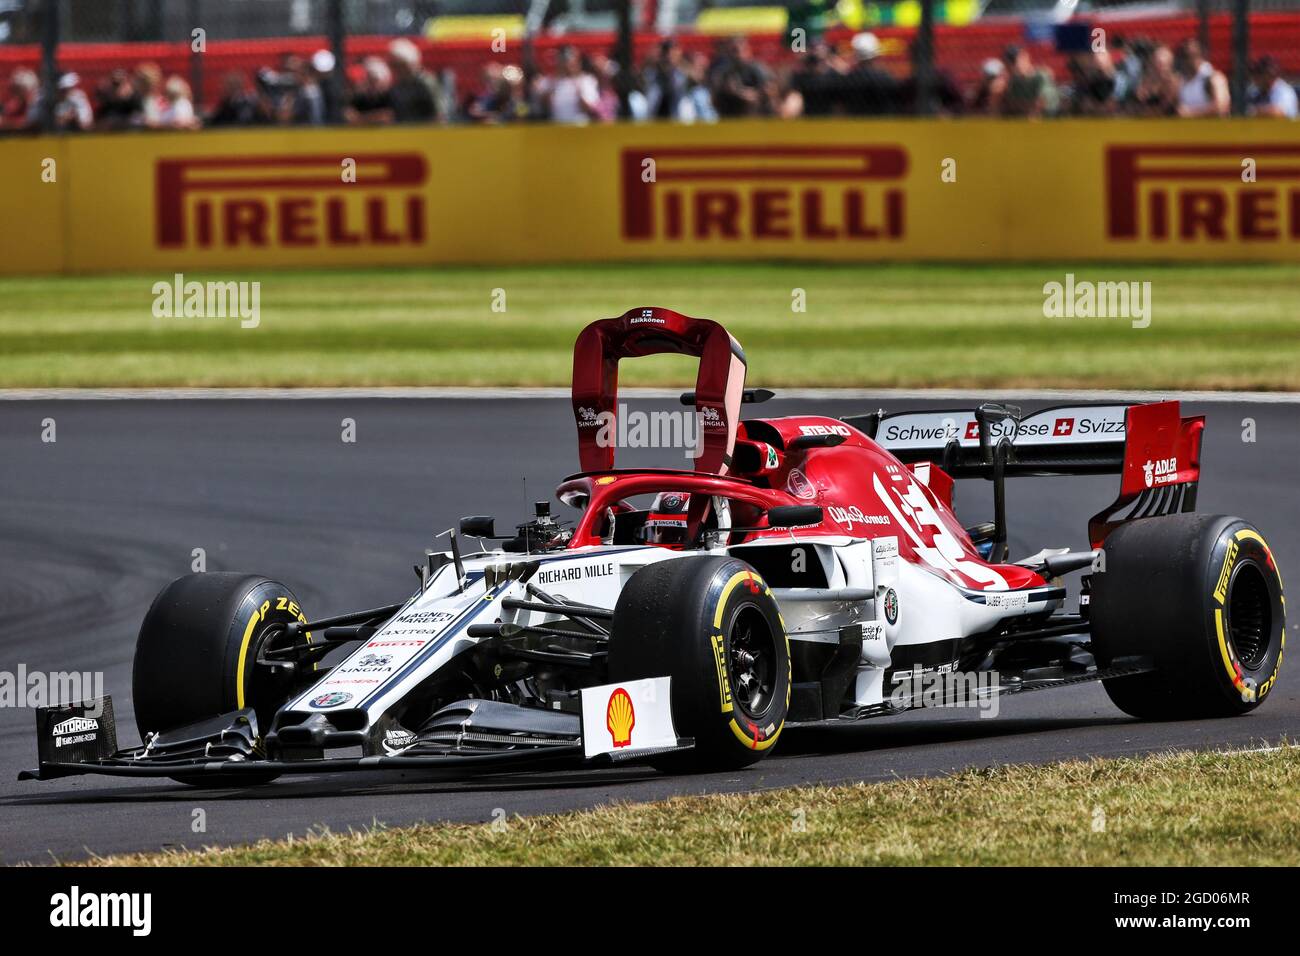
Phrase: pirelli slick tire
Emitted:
{"points": [[194, 656], [712, 625], [1199, 594]]}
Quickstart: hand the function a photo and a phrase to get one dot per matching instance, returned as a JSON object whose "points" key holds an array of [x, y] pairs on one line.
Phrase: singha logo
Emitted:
{"points": [[588, 417], [712, 417]]}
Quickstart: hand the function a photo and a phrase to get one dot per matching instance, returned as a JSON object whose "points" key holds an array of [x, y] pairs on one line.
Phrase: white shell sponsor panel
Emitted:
{"points": [[628, 717]]}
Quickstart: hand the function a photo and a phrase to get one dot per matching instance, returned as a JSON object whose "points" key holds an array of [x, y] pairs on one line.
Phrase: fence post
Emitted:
{"points": [[923, 61], [49, 63], [1203, 26], [625, 56], [338, 44], [194, 13], [1240, 55]]}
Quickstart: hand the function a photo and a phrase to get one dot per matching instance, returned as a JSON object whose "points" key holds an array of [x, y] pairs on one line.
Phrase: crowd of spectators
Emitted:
{"points": [[1141, 78], [1137, 78]]}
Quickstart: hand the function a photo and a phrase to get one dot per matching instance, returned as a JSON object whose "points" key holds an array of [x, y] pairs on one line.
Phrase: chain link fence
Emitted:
{"points": [[186, 64]]}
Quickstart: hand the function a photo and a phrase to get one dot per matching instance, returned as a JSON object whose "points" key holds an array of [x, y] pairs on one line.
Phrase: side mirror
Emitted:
{"points": [[478, 526], [792, 516]]}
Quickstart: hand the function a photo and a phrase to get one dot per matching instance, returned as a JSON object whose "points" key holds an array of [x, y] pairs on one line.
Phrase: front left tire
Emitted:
{"points": [[196, 651], [713, 626]]}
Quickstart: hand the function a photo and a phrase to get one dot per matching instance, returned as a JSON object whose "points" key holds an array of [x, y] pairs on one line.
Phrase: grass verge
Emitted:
{"points": [[1185, 809], [976, 326]]}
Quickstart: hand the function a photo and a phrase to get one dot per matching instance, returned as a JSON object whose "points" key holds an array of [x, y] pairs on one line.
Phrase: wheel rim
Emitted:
{"points": [[751, 661], [1250, 614], [267, 692]]}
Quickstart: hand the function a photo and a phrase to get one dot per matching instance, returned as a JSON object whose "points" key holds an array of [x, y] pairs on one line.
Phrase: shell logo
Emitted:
{"points": [[620, 717]]}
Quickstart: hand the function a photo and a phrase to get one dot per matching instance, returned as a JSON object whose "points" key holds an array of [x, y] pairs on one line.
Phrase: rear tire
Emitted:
{"points": [[712, 625], [194, 657], [1200, 595]]}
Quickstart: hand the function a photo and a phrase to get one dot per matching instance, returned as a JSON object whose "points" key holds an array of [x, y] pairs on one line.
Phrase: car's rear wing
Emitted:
{"points": [[1066, 440], [1152, 447]]}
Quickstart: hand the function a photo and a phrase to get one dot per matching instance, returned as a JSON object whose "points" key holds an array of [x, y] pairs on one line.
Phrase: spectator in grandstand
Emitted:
{"points": [[117, 102], [1092, 84], [572, 94], [414, 94], [1157, 91], [303, 102], [1127, 60], [72, 109], [322, 70], [148, 82], [608, 101], [1270, 95], [991, 89], [1031, 90], [665, 81], [369, 101], [741, 85], [179, 111], [17, 109], [817, 85], [697, 104], [239, 106], [1204, 90], [501, 99], [867, 89]]}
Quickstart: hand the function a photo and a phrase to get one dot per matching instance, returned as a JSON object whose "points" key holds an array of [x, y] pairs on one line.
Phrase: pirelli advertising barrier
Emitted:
{"points": [[836, 190]]}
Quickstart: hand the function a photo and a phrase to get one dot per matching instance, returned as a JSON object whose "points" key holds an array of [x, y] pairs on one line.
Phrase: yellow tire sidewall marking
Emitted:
{"points": [[243, 658], [749, 742], [740, 577], [1225, 651], [257, 616]]}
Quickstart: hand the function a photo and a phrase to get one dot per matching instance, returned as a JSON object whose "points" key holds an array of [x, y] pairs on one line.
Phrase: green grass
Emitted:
{"points": [[889, 325], [1174, 809]]}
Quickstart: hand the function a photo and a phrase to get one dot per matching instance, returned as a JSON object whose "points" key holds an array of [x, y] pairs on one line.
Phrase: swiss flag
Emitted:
{"points": [[972, 430], [1064, 426]]}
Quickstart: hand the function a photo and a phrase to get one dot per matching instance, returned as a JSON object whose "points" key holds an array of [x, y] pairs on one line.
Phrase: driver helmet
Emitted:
{"points": [[665, 525]]}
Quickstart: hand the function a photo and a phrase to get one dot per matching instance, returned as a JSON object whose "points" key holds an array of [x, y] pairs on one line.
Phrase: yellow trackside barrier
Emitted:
{"points": [[831, 190]]}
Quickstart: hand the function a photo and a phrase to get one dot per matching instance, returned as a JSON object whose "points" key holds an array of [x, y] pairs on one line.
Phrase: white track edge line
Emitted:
{"points": [[515, 393]]}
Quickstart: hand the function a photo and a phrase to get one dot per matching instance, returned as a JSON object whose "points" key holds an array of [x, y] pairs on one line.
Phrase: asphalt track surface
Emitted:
{"points": [[94, 524]]}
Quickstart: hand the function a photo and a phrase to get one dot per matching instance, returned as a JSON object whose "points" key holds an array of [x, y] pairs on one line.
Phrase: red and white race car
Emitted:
{"points": [[805, 569]]}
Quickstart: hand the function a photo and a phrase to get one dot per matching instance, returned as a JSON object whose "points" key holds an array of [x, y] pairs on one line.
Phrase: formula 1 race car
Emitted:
{"points": [[807, 569]]}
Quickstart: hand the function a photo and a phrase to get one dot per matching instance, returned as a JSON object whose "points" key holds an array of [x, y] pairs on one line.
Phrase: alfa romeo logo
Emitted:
{"points": [[332, 699], [891, 606]]}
